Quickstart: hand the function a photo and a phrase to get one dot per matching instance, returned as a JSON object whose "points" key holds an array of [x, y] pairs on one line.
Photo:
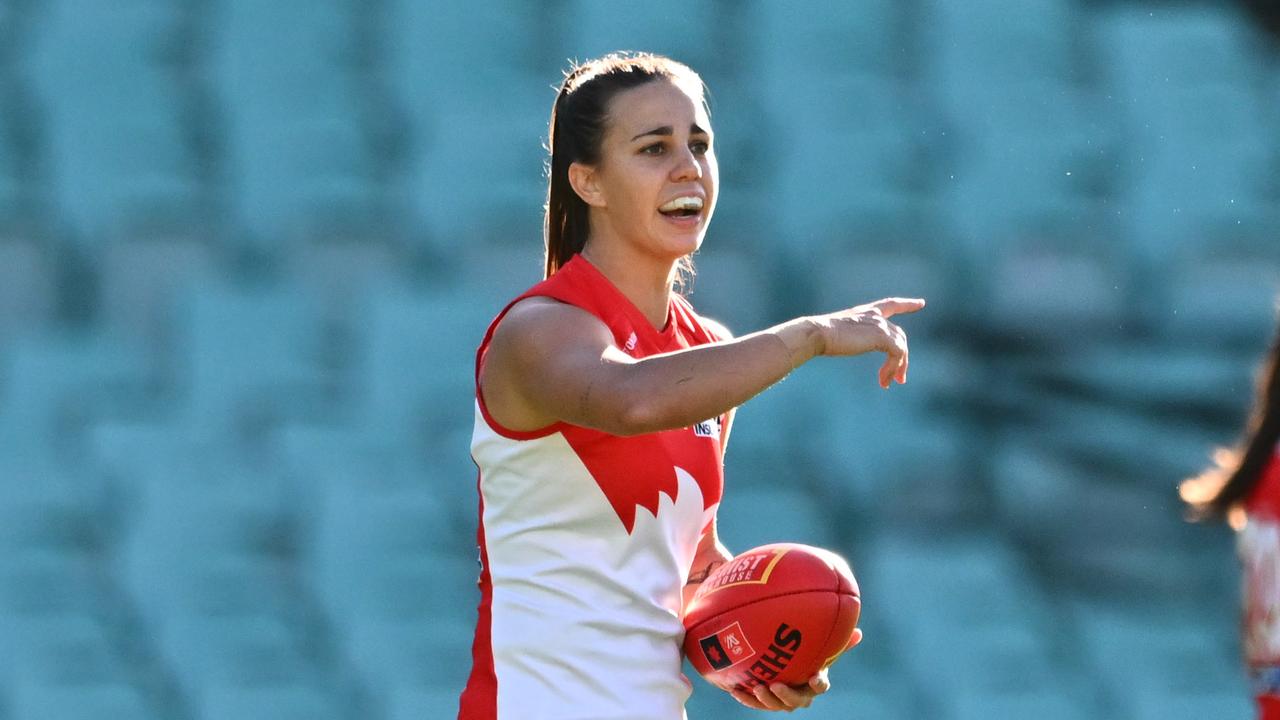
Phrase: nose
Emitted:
{"points": [[686, 167]]}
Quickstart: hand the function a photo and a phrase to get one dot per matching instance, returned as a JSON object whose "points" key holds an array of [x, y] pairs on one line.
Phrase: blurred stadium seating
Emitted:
{"points": [[247, 250]]}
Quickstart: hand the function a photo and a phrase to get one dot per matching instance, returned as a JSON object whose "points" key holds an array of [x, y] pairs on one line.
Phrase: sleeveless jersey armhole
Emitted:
{"points": [[493, 423]]}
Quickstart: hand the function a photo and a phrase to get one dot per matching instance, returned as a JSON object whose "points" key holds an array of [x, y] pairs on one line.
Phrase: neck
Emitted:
{"points": [[645, 280]]}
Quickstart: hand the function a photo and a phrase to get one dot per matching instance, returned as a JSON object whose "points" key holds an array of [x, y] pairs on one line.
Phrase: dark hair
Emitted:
{"points": [[579, 119], [1225, 486]]}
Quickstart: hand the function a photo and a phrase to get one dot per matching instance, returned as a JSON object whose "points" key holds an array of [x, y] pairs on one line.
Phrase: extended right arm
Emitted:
{"points": [[550, 362]]}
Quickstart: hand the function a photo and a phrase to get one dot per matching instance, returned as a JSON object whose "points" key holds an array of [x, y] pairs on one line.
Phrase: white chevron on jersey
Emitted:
{"points": [[568, 580]]}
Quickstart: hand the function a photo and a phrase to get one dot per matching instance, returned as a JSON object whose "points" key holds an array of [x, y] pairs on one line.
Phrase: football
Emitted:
{"points": [[775, 613]]}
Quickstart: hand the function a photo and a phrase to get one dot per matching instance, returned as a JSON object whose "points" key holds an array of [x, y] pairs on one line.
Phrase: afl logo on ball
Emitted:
{"points": [[726, 648]]}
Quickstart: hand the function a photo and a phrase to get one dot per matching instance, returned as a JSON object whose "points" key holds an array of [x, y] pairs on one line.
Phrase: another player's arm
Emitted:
{"points": [[549, 361]]}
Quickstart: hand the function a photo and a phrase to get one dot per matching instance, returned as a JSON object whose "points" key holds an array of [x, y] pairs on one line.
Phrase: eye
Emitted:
{"points": [[654, 149], [700, 147]]}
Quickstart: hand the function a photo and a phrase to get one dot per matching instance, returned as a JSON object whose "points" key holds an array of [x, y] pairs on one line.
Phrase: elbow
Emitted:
{"points": [[639, 416]]}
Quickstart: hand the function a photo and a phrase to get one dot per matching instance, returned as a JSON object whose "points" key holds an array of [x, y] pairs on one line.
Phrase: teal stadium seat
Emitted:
{"points": [[962, 611], [52, 388], [999, 41], [1184, 82], [792, 42], [11, 150], [296, 97], [474, 75], [348, 458], [285, 46], [1154, 376], [65, 648], [453, 50], [117, 700], [211, 651], [10, 17], [786, 512], [732, 287], [365, 545], [1030, 484], [1156, 450], [1204, 177], [860, 689], [765, 448], [1227, 293], [1047, 703], [411, 702], [291, 168], [250, 356], [429, 653], [268, 702], [1102, 530], [50, 582], [668, 27], [889, 454], [1141, 658], [141, 280], [872, 266], [1163, 705], [116, 145], [852, 171], [44, 508], [28, 283], [1148, 50], [1025, 205], [417, 376]]}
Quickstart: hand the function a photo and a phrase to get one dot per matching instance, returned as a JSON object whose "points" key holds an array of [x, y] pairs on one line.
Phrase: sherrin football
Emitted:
{"points": [[776, 613]]}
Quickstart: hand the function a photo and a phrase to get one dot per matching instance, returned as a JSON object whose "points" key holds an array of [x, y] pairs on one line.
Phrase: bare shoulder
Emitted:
{"points": [[541, 353], [539, 326]]}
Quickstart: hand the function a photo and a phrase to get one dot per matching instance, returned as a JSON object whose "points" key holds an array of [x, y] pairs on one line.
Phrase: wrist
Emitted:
{"points": [[803, 339]]}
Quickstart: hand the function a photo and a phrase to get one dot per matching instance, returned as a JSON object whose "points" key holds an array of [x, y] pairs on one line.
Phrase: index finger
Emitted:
{"points": [[889, 307]]}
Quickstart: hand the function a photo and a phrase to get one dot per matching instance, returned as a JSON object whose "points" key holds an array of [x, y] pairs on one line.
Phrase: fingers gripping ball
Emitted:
{"points": [[776, 613]]}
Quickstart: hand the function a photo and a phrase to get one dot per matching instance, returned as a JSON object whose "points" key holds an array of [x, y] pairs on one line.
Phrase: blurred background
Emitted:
{"points": [[248, 247]]}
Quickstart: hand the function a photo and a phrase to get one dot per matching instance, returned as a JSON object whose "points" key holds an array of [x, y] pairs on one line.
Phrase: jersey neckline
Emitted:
{"points": [[666, 333]]}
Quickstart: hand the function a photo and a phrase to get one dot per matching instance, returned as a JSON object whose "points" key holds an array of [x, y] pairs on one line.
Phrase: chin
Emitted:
{"points": [[687, 245]]}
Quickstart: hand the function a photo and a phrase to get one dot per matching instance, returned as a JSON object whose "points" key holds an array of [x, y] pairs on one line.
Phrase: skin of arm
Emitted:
{"points": [[551, 362], [711, 554]]}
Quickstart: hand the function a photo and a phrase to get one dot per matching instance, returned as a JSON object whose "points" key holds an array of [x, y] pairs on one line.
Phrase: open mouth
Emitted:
{"points": [[683, 208]]}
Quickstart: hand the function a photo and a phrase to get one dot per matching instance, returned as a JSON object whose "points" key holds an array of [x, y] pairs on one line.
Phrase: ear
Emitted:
{"points": [[586, 182]]}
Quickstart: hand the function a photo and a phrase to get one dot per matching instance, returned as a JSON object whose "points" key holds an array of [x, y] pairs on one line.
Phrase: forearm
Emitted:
{"points": [[679, 389], [704, 564]]}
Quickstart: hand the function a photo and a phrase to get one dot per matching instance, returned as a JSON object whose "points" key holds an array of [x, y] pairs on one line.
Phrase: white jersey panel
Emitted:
{"points": [[585, 617]]}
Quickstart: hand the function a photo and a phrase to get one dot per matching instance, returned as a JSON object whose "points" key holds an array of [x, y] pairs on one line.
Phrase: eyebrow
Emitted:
{"points": [[668, 130]]}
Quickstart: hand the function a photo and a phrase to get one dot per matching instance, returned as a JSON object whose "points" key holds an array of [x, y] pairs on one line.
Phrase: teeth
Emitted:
{"points": [[688, 202]]}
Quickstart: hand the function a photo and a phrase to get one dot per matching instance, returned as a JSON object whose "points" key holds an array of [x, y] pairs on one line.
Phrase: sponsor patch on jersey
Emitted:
{"points": [[726, 648], [631, 342], [708, 428]]}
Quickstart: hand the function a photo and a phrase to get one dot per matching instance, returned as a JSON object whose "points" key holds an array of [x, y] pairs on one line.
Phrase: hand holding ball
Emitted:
{"points": [[776, 613]]}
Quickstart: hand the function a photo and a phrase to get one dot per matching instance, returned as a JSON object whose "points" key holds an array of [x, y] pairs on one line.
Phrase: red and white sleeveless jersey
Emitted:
{"points": [[586, 541]]}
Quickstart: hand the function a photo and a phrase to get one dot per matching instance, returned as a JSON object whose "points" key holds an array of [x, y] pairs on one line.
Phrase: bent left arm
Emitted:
{"points": [[711, 554]]}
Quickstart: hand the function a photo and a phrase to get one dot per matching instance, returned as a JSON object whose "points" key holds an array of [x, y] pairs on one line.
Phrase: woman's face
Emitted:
{"points": [[656, 182]]}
